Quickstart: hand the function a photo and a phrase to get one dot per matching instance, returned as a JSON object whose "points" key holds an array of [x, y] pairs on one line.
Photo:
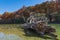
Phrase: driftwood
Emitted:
{"points": [[40, 29]]}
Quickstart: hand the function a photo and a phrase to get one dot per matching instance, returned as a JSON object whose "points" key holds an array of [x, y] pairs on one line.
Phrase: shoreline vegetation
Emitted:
{"points": [[16, 29]]}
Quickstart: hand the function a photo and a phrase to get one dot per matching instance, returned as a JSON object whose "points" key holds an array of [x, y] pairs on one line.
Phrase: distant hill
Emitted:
{"points": [[45, 7]]}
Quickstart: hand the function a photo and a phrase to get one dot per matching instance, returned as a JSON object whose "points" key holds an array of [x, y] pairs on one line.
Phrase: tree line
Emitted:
{"points": [[49, 8]]}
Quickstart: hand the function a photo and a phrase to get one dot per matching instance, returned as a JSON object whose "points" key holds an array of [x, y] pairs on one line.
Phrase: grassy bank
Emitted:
{"points": [[16, 29]]}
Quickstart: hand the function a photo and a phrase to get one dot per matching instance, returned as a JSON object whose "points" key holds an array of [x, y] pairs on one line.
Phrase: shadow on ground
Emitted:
{"points": [[43, 37]]}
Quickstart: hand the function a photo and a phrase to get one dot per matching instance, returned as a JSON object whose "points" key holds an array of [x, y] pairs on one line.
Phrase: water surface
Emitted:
{"points": [[9, 36]]}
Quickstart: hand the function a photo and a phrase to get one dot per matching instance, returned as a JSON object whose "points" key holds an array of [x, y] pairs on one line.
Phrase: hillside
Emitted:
{"points": [[14, 17]]}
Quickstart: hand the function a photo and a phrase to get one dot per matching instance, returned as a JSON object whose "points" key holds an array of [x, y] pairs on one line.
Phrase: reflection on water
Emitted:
{"points": [[9, 37]]}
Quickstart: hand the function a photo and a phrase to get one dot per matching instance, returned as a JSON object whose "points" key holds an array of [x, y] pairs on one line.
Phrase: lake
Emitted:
{"points": [[9, 36]]}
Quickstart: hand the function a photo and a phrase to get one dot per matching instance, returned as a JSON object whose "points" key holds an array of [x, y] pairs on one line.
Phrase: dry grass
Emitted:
{"points": [[15, 29]]}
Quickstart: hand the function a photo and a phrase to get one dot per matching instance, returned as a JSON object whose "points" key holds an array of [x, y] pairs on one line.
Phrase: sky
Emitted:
{"points": [[14, 5]]}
